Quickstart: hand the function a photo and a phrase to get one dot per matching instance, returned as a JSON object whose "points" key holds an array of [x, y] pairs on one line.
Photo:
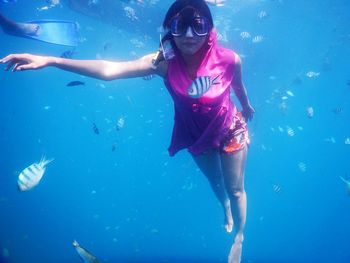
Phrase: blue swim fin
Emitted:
{"points": [[53, 31]]}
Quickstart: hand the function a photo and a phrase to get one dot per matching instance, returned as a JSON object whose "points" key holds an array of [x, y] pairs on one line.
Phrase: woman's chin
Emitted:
{"points": [[190, 51]]}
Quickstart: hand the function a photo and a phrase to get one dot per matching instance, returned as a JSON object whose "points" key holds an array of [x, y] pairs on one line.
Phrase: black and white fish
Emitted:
{"points": [[312, 74], [201, 85], [262, 14], [337, 110], [85, 255], [258, 39], [32, 175], [120, 123], [290, 131], [149, 77], [276, 188], [245, 34]]}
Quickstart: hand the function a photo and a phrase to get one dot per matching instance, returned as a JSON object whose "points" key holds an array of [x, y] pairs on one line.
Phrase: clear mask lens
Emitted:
{"points": [[199, 25]]}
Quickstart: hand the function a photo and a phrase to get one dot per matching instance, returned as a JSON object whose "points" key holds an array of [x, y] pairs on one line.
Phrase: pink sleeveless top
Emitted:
{"points": [[202, 123]]}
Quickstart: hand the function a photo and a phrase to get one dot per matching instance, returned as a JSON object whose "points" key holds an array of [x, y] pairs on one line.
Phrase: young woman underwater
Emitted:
{"points": [[199, 75]]}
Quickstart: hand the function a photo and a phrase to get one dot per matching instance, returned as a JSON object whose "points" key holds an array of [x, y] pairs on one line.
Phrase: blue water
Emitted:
{"points": [[136, 204]]}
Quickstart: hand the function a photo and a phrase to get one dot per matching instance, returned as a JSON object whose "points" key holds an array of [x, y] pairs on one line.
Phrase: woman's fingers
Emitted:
{"points": [[10, 65], [5, 59], [13, 64], [17, 62], [14, 57], [24, 67], [16, 67], [11, 57]]}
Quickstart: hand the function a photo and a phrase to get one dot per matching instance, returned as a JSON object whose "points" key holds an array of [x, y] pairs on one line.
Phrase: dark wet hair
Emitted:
{"points": [[178, 5]]}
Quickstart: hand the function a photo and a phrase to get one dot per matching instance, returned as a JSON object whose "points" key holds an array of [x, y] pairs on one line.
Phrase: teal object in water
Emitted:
{"points": [[53, 31]]}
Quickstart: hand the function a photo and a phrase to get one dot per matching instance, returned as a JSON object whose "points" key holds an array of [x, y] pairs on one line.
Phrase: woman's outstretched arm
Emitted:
{"points": [[100, 69]]}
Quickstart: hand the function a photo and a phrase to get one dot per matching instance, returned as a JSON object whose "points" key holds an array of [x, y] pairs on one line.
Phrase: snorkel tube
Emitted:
{"points": [[165, 51]]}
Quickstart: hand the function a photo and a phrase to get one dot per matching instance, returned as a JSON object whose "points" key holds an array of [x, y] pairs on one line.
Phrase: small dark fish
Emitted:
{"points": [[107, 45], [75, 83], [67, 54], [114, 147], [95, 129]]}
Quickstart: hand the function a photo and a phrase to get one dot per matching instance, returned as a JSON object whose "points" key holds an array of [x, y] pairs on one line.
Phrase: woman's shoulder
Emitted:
{"points": [[228, 55]]}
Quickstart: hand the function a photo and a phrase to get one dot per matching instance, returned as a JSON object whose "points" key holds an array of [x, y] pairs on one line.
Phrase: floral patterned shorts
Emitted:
{"points": [[237, 137]]}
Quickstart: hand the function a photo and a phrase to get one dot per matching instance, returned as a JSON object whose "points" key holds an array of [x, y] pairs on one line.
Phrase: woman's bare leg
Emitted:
{"points": [[233, 172], [210, 165]]}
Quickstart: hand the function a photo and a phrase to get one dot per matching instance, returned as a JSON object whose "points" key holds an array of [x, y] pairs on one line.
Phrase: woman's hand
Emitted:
{"points": [[19, 62], [248, 112]]}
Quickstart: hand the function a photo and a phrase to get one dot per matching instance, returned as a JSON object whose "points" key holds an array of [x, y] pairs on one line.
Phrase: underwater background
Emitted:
{"points": [[121, 196]]}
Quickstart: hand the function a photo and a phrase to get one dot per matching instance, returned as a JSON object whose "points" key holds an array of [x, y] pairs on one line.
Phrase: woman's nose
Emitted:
{"points": [[189, 32]]}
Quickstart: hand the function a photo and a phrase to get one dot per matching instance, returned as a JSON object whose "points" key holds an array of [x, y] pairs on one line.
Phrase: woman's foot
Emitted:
{"points": [[236, 250]]}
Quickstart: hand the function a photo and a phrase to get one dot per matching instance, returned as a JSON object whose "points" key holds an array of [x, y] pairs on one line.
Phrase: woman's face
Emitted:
{"points": [[190, 30], [189, 43]]}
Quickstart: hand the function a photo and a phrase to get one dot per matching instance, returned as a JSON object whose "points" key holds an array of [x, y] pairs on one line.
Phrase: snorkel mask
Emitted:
{"points": [[189, 17]]}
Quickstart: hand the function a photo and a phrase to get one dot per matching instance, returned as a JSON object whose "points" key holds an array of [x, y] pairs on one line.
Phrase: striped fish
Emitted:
{"points": [[201, 85], [85, 255], [32, 175]]}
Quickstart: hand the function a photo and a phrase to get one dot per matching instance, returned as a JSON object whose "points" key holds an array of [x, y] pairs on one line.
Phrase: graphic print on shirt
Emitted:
{"points": [[201, 85]]}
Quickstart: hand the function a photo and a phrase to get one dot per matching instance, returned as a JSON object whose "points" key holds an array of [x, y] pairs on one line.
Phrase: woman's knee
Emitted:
{"points": [[235, 192]]}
